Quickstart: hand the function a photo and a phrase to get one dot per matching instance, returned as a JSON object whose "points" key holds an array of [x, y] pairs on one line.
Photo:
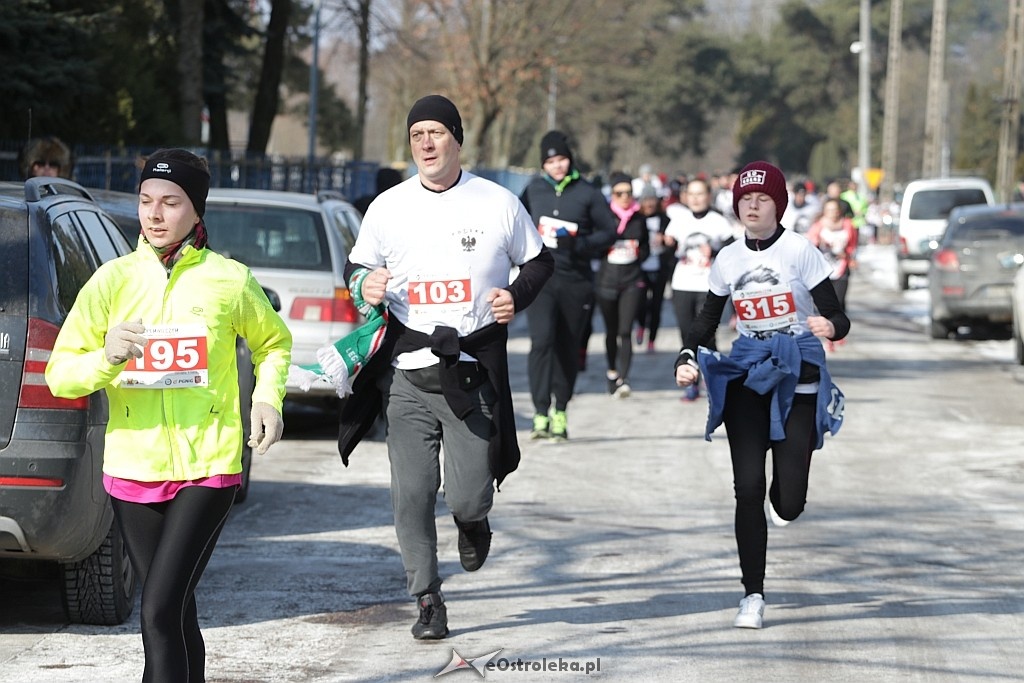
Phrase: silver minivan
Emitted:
{"points": [[296, 246], [923, 214]]}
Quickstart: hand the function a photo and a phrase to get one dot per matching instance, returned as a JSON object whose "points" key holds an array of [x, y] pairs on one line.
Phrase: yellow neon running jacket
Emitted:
{"points": [[182, 433]]}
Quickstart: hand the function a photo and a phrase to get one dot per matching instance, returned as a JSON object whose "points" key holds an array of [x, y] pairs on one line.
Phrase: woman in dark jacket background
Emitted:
{"points": [[620, 283], [656, 269]]}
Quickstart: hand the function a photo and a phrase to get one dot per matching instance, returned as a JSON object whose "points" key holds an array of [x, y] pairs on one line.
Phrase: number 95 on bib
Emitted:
{"points": [[174, 358]]}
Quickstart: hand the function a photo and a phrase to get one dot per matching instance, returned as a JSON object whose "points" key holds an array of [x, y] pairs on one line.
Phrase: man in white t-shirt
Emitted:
{"points": [[439, 249]]}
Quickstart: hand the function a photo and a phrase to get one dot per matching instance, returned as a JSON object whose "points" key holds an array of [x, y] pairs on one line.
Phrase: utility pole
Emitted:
{"points": [[891, 115], [1009, 129], [931, 165], [864, 105]]}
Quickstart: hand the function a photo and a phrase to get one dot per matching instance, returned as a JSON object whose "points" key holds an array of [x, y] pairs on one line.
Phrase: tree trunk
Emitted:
{"points": [[214, 86], [264, 108], [190, 69]]}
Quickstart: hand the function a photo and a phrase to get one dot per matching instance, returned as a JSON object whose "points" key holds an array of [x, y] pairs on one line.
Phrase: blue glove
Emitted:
{"points": [[564, 239]]}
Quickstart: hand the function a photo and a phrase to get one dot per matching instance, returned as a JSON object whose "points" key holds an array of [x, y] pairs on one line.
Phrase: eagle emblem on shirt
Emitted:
{"points": [[468, 243]]}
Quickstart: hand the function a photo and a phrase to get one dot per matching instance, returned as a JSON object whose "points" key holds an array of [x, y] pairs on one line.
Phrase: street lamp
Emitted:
{"points": [[314, 86]]}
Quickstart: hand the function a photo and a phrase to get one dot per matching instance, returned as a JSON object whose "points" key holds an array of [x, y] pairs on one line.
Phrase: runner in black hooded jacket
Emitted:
{"points": [[577, 225]]}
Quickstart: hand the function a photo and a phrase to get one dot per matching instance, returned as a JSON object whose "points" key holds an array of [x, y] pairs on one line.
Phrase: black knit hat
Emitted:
{"points": [[618, 178], [436, 108], [553, 144]]}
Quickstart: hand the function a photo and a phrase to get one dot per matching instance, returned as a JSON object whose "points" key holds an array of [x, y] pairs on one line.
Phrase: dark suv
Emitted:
{"points": [[53, 508], [970, 279]]}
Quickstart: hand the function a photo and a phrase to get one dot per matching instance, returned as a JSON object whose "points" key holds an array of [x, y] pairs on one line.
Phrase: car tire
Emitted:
{"points": [[101, 588], [939, 329], [243, 491]]}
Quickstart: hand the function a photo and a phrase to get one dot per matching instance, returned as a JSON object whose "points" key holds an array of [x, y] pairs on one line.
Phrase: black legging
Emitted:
{"points": [[618, 314], [169, 545], [747, 423], [648, 315], [687, 306], [557, 319]]}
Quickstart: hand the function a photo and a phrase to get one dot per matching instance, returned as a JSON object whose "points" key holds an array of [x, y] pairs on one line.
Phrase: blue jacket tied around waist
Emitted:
{"points": [[772, 366]]}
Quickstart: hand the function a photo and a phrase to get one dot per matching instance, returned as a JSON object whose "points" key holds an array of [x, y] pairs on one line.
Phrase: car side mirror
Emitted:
{"points": [[275, 300]]}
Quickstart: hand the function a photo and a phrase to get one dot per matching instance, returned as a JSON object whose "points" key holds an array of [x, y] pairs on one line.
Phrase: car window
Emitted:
{"points": [[268, 237], [101, 232], [73, 259], [935, 204], [348, 226], [990, 226]]}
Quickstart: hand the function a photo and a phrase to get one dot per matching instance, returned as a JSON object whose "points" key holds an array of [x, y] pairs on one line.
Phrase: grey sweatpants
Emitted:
{"points": [[418, 423]]}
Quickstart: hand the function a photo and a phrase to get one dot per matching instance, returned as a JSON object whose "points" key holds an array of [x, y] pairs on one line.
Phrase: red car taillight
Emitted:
{"points": [[34, 392], [340, 309], [946, 260], [32, 482]]}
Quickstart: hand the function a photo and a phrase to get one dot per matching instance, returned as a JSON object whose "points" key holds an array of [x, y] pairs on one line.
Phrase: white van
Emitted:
{"points": [[923, 215]]}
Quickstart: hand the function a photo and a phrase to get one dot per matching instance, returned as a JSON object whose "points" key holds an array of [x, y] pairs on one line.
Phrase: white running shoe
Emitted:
{"points": [[776, 519], [751, 613], [623, 391]]}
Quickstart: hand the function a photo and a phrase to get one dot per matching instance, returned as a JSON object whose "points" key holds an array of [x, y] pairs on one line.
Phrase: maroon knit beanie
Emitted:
{"points": [[760, 176]]}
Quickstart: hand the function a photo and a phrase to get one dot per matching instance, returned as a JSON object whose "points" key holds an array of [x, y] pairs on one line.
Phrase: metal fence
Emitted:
{"points": [[118, 169]]}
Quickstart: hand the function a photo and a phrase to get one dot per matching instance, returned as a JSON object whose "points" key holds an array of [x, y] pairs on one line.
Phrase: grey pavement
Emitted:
{"points": [[616, 549]]}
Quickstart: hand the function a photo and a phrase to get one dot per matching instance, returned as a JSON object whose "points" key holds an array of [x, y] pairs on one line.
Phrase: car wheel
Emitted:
{"points": [[939, 329], [101, 588], [243, 491]]}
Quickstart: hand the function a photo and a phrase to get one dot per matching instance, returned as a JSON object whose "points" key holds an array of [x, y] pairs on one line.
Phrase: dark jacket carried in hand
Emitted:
{"points": [[487, 345]]}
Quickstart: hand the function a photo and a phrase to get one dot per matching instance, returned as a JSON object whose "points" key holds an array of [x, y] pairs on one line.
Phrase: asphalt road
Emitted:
{"points": [[615, 550]]}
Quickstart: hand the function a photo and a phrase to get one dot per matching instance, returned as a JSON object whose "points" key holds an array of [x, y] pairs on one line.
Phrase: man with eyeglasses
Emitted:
{"points": [[577, 225], [439, 249]]}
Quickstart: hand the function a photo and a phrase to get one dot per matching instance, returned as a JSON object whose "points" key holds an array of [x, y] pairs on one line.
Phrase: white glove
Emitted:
{"points": [[125, 341], [266, 427]]}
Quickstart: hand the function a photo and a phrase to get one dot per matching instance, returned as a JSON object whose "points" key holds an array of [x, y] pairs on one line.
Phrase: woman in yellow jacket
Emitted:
{"points": [[156, 329]]}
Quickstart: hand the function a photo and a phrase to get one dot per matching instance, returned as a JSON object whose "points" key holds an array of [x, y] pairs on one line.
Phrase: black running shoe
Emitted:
{"points": [[433, 621], [474, 543]]}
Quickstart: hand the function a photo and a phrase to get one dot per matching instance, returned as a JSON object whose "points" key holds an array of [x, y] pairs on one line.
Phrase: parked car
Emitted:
{"points": [[123, 207], [1017, 306], [972, 270], [54, 512], [296, 245], [923, 214]]}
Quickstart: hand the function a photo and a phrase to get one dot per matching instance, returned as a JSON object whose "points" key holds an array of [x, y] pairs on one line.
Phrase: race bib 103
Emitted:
{"points": [[444, 295]]}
